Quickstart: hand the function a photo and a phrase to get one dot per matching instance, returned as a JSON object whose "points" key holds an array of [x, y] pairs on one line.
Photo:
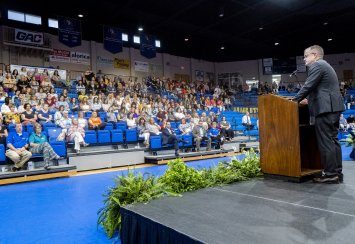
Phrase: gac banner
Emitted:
{"points": [[148, 48], [28, 37], [112, 39], [69, 31]]}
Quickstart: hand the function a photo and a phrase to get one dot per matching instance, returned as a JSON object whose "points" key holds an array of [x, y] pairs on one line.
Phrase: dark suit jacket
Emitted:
{"points": [[322, 89], [166, 134]]}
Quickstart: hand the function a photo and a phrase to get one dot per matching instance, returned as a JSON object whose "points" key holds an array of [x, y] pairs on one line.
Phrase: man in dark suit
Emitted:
{"points": [[169, 137], [325, 106]]}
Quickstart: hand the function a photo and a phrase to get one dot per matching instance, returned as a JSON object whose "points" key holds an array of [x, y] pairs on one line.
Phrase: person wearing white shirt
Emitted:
{"points": [[246, 121]]}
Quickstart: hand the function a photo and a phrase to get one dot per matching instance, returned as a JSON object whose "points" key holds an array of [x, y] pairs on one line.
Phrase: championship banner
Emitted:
{"points": [[112, 39], [148, 48], [141, 66], [69, 31], [121, 63], [28, 37], [59, 56]]}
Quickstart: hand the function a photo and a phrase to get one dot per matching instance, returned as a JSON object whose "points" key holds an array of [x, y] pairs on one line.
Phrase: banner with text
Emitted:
{"points": [[28, 37], [141, 66], [69, 31], [59, 56], [24, 69], [148, 48], [112, 39], [65, 56], [121, 63]]}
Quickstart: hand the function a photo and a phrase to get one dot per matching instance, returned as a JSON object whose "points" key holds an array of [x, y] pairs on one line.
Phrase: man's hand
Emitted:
{"points": [[304, 101]]}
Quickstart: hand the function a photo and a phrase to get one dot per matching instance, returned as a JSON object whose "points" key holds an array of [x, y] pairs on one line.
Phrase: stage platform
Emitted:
{"points": [[256, 211]]}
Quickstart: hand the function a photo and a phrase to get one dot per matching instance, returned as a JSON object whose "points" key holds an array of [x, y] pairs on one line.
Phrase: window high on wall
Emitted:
{"points": [[24, 17]]}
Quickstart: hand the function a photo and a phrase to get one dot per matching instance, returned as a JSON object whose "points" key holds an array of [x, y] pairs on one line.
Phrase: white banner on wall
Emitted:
{"points": [[80, 58], [28, 37], [141, 66], [66, 56], [60, 56], [24, 69], [104, 60]]}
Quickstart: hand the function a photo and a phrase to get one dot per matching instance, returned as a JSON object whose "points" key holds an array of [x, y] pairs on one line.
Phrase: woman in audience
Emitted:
{"points": [[185, 128], [77, 134], [179, 115], [96, 105], [95, 122], [3, 94], [111, 116], [105, 105], [28, 116], [82, 121], [131, 121], [34, 85], [3, 132], [13, 116], [153, 128], [170, 114], [143, 131], [84, 105], [44, 115], [226, 130], [39, 145], [58, 115], [56, 79], [40, 94], [73, 104], [5, 106], [62, 102]]}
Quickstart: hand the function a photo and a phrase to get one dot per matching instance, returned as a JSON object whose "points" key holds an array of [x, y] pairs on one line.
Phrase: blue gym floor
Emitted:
{"points": [[65, 210], [62, 210]]}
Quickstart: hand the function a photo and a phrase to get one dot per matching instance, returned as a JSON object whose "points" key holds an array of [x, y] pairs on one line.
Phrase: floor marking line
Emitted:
{"points": [[290, 203]]}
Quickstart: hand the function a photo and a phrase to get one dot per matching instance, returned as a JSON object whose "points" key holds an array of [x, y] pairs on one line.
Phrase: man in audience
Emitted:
{"points": [[200, 134], [169, 137], [246, 121], [17, 144]]}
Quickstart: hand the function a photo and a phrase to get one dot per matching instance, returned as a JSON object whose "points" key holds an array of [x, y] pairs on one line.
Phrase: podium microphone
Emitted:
{"points": [[293, 73]]}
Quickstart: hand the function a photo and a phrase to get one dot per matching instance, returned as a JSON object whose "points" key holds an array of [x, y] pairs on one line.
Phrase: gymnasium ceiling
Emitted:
{"points": [[247, 30]]}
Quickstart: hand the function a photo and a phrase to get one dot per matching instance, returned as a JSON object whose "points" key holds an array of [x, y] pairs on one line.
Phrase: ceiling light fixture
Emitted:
{"points": [[325, 23], [261, 28], [276, 43], [222, 47], [140, 28], [80, 15], [221, 12], [330, 39], [186, 39]]}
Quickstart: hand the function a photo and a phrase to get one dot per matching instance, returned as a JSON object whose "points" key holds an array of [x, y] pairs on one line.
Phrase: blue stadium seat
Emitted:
{"points": [[103, 116], [29, 128], [2, 153], [173, 125], [59, 148], [11, 128], [88, 114], [90, 137], [53, 134], [103, 136], [121, 126], [155, 142], [109, 126], [117, 136], [48, 126], [131, 135]]}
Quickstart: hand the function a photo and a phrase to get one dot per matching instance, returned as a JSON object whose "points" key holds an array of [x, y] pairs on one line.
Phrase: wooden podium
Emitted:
{"points": [[288, 144]]}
